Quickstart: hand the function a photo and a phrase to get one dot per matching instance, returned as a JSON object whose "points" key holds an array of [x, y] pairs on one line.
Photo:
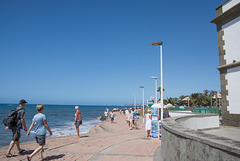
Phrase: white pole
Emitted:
{"points": [[143, 104], [160, 43], [156, 90], [161, 82]]}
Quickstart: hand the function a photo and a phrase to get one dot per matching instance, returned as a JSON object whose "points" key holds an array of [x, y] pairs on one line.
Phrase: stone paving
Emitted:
{"points": [[105, 142]]}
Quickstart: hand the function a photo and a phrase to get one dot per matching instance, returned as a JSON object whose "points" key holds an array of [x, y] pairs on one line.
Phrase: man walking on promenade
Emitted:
{"points": [[40, 123], [19, 121]]}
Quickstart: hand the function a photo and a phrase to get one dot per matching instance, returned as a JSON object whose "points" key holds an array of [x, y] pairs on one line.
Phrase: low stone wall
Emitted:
{"points": [[199, 121], [183, 144]]}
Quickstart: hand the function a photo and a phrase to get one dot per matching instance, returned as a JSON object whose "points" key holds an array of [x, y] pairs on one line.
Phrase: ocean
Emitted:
{"points": [[60, 119]]}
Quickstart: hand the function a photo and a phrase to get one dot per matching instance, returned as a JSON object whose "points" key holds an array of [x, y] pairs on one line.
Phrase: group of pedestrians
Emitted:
{"points": [[131, 118], [39, 121], [106, 115]]}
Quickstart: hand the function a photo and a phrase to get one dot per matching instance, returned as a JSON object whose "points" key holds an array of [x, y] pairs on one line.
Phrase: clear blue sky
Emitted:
{"points": [[99, 52]]}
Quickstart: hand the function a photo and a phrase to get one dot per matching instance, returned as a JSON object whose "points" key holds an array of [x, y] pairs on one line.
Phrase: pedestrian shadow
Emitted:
{"points": [[27, 152], [55, 157], [84, 136]]}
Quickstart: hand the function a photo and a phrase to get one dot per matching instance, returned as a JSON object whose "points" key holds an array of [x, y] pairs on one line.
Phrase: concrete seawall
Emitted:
{"points": [[183, 140]]}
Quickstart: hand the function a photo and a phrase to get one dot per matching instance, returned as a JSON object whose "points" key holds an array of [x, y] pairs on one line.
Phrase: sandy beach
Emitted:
{"points": [[104, 142]]}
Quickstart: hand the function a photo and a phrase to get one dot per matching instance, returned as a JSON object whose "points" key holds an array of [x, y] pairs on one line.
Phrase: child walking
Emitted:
{"points": [[40, 123], [112, 116]]}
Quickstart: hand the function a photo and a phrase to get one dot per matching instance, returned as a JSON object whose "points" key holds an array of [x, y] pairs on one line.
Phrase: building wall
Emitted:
{"points": [[229, 4], [233, 78], [228, 33], [232, 40]]}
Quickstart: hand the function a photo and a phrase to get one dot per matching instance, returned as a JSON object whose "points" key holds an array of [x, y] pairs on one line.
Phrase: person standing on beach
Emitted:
{"points": [[148, 123], [19, 121], [40, 123], [106, 115], [77, 121], [112, 116]]}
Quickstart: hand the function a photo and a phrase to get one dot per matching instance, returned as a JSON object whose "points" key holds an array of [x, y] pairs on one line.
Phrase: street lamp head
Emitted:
{"points": [[157, 43], [141, 87], [153, 77]]}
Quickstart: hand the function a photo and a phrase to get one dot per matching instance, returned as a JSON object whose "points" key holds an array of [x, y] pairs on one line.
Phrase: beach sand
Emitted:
{"points": [[104, 142]]}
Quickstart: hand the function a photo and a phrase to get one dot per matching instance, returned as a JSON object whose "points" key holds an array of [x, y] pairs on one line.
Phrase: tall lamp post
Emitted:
{"points": [[155, 88], [143, 101], [160, 44]]}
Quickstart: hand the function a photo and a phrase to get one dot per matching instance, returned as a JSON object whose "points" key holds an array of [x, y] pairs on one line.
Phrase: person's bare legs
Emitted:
{"points": [[136, 125], [148, 133], [77, 128], [18, 145], [130, 125], [35, 152], [42, 158], [10, 147]]}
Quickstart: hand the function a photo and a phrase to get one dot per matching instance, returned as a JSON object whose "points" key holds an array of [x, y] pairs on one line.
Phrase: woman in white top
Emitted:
{"points": [[130, 119], [126, 113], [148, 122]]}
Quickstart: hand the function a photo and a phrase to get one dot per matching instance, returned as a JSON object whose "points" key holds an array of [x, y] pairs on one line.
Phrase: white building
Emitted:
{"points": [[228, 33]]}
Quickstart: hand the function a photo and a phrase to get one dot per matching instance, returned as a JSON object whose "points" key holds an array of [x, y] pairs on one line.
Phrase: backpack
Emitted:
{"points": [[9, 120]]}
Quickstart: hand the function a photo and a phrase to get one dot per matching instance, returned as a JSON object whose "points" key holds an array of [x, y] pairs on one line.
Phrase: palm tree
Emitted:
{"points": [[172, 101], [200, 99], [206, 92]]}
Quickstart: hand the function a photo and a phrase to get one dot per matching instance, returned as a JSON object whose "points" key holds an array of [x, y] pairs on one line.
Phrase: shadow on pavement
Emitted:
{"points": [[27, 152], [55, 157], [84, 136]]}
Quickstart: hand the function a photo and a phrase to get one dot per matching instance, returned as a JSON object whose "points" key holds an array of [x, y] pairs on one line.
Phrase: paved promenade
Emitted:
{"points": [[105, 142]]}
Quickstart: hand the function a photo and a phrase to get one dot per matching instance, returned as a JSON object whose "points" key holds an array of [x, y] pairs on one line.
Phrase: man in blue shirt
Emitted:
{"points": [[19, 121], [40, 123]]}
